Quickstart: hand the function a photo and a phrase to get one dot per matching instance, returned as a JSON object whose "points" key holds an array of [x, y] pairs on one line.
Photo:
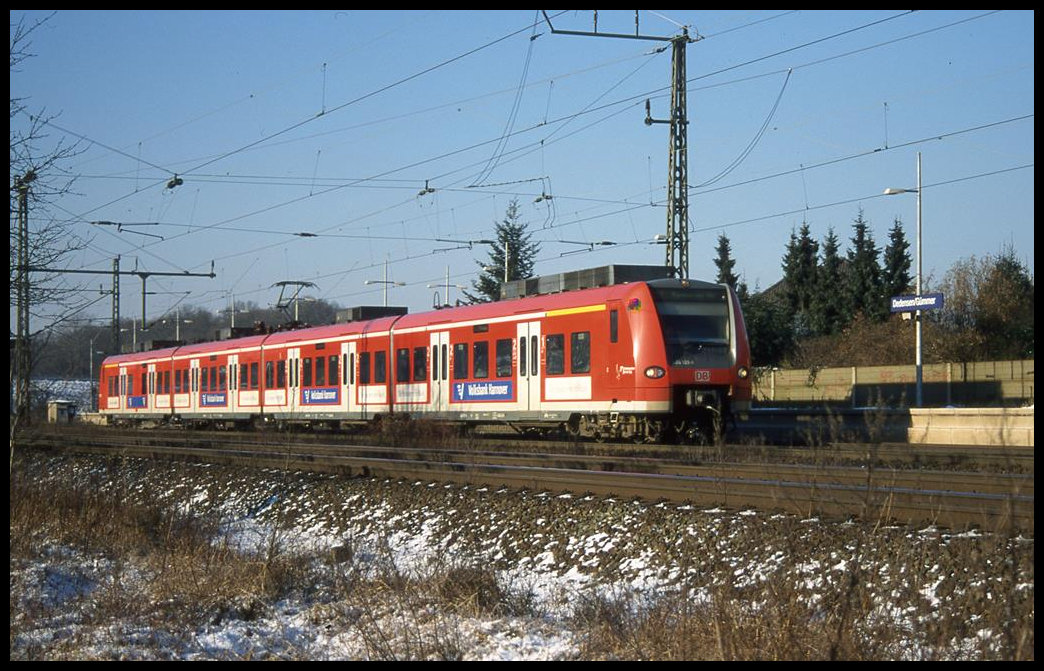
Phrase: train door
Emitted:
{"points": [[529, 370], [440, 390], [232, 384], [293, 379], [123, 390], [348, 377], [194, 385], [150, 402]]}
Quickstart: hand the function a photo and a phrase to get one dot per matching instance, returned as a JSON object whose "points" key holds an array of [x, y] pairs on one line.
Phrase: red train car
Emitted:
{"points": [[641, 359]]}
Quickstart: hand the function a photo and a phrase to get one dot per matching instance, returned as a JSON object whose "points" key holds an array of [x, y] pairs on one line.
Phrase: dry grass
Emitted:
{"points": [[741, 589]]}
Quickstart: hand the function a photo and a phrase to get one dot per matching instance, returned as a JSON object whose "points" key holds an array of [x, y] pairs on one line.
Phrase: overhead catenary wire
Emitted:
{"points": [[505, 156]]}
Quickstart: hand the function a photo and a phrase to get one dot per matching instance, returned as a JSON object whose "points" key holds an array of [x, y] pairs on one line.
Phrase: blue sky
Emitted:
{"points": [[333, 122]]}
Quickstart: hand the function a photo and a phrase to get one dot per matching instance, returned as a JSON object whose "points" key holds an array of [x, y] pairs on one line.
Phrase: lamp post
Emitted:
{"points": [[385, 282], [177, 323], [90, 359], [918, 361], [460, 287]]}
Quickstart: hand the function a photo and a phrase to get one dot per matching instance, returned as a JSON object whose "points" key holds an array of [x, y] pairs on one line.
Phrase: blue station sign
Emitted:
{"points": [[915, 303]]}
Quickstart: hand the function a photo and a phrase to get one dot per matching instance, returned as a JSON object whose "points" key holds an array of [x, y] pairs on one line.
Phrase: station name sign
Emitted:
{"points": [[914, 303]]}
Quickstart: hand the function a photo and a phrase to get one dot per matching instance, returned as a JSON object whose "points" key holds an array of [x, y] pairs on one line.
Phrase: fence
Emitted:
{"points": [[975, 384]]}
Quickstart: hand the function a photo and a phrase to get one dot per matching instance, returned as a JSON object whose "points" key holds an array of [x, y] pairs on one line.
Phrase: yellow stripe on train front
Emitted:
{"points": [[575, 311]]}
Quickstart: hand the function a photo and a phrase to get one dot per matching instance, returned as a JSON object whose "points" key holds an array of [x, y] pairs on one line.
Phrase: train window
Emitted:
{"points": [[580, 352], [130, 386], [253, 375], [243, 377], [504, 357], [306, 372], [213, 378], [420, 364], [144, 384], [522, 356], [203, 386], [402, 364], [445, 364], [460, 361], [534, 355], [694, 322], [351, 369], [554, 362], [480, 328], [614, 325], [331, 363], [320, 372], [481, 350], [166, 382], [434, 362], [281, 374], [269, 375], [364, 368], [380, 366], [344, 369], [221, 378]]}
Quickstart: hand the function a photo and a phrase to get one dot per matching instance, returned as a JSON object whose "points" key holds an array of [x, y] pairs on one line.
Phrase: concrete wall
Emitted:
{"points": [[971, 426], [982, 383]]}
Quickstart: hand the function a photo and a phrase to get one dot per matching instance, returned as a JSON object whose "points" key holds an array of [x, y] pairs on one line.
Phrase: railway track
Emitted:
{"points": [[833, 488]]}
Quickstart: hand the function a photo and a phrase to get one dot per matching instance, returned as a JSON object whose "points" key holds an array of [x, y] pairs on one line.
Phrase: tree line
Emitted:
{"points": [[833, 309]]}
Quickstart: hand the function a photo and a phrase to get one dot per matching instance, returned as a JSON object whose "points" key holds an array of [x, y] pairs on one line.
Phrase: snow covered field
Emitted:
{"points": [[307, 566]]}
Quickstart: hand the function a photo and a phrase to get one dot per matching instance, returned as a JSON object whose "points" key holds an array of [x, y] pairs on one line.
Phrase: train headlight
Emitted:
{"points": [[742, 373], [654, 372]]}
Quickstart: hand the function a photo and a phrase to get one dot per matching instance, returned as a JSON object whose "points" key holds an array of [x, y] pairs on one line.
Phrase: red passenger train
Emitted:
{"points": [[640, 359]]}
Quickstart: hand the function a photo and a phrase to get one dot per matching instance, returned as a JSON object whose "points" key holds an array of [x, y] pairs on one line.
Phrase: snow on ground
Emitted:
{"points": [[557, 552]]}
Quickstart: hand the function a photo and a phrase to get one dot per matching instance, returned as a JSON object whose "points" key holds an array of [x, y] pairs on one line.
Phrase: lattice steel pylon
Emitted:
{"points": [[678, 159], [678, 165]]}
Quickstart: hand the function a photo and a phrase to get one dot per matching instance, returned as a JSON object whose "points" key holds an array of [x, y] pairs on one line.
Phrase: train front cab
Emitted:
{"points": [[702, 343], [136, 388]]}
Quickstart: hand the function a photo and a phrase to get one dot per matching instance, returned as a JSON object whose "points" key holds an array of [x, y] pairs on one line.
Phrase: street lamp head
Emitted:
{"points": [[893, 192]]}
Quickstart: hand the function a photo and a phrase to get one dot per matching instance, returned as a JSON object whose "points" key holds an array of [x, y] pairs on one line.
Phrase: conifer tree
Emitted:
{"points": [[895, 273], [512, 236], [863, 274], [725, 263], [828, 312], [799, 272]]}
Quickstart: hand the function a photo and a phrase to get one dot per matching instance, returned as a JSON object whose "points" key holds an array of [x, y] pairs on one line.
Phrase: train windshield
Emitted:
{"points": [[695, 324]]}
